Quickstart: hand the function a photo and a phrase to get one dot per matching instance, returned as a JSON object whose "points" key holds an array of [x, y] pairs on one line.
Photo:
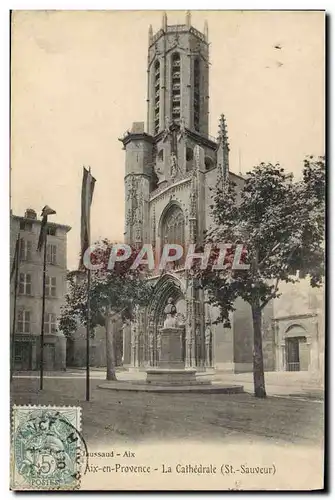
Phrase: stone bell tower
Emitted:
{"points": [[177, 122], [172, 165], [177, 99], [178, 63]]}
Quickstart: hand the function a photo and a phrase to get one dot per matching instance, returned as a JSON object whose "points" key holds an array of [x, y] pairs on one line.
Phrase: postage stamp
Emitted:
{"points": [[48, 451]]}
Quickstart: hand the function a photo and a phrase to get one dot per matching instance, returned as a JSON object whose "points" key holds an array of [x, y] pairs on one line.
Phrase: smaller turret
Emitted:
{"points": [[188, 19], [150, 35], [223, 150], [206, 31], [164, 22], [222, 133]]}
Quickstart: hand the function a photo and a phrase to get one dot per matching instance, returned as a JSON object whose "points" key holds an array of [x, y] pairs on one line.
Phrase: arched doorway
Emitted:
{"points": [[168, 286], [297, 355]]}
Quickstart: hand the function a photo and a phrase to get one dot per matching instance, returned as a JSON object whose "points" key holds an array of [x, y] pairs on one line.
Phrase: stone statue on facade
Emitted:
{"points": [[174, 166], [167, 128], [159, 172], [170, 311], [181, 129]]}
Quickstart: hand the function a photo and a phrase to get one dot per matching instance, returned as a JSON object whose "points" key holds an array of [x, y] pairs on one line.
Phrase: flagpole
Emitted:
{"points": [[88, 329], [88, 319], [85, 236], [43, 310], [17, 260]]}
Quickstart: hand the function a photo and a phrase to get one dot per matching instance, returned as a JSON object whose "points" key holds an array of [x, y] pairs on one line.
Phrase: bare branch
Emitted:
{"points": [[269, 253]]}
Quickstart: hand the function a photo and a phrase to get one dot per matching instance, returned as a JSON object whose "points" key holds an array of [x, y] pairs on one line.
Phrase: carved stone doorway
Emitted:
{"points": [[168, 286]]}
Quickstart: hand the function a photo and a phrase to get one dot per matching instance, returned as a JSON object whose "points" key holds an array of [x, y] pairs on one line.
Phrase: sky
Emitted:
{"points": [[78, 81]]}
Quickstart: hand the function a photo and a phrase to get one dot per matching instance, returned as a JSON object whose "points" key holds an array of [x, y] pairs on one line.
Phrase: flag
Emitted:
{"points": [[16, 258], [86, 201], [43, 232]]}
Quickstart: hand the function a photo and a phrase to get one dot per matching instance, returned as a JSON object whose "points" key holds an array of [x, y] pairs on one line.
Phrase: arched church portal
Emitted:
{"points": [[168, 286]]}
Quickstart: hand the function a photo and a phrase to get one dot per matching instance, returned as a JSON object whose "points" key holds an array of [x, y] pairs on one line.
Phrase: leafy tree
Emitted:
{"points": [[281, 225], [114, 293]]}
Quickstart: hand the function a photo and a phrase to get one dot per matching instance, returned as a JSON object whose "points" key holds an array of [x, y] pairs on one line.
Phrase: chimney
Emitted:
{"points": [[30, 214]]}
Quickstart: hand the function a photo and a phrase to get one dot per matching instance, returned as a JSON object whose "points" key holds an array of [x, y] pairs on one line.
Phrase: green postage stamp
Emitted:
{"points": [[47, 449]]}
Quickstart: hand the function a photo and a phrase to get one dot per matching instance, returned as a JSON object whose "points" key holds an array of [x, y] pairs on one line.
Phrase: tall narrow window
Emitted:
{"points": [[173, 227], [23, 321], [25, 284], [50, 323], [175, 105], [51, 254], [157, 95], [50, 286], [25, 249], [196, 100]]}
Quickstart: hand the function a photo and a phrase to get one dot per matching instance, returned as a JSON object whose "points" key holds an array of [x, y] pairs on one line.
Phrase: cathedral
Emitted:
{"points": [[171, 166]]}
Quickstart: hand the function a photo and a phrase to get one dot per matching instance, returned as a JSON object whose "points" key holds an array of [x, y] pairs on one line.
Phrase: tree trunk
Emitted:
{"points": [[258, 367], [110, 351]]}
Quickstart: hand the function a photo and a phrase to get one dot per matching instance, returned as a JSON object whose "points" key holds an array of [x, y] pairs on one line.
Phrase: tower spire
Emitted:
{"points": [[150, 34], [206, 31], [222, 134], [188, 19], [223, 151], [164, 21]]}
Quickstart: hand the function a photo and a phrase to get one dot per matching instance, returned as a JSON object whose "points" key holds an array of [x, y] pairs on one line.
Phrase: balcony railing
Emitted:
{"points": [[177, 27]]}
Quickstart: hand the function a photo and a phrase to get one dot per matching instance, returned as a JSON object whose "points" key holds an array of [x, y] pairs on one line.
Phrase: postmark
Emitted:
{"points": [[48, 451]]}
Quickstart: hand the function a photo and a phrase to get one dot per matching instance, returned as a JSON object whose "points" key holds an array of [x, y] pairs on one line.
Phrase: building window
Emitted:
{"points": [[26, 226], [209, 164], [23, 321], [189, 159], [161, 155], [175, 94], [25, 249], [189, 154], [25, 284], [51, 230], [173, 227], [196, 98], [50, 286], [157, 95], [51, 254], [50, 324]]}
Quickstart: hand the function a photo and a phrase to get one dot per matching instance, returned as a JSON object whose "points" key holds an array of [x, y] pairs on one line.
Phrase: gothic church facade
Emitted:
{"points": [[170, 169]]}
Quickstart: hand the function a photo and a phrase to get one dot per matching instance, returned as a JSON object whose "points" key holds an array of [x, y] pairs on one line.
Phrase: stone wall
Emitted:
{"points": [[301, 307]]}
